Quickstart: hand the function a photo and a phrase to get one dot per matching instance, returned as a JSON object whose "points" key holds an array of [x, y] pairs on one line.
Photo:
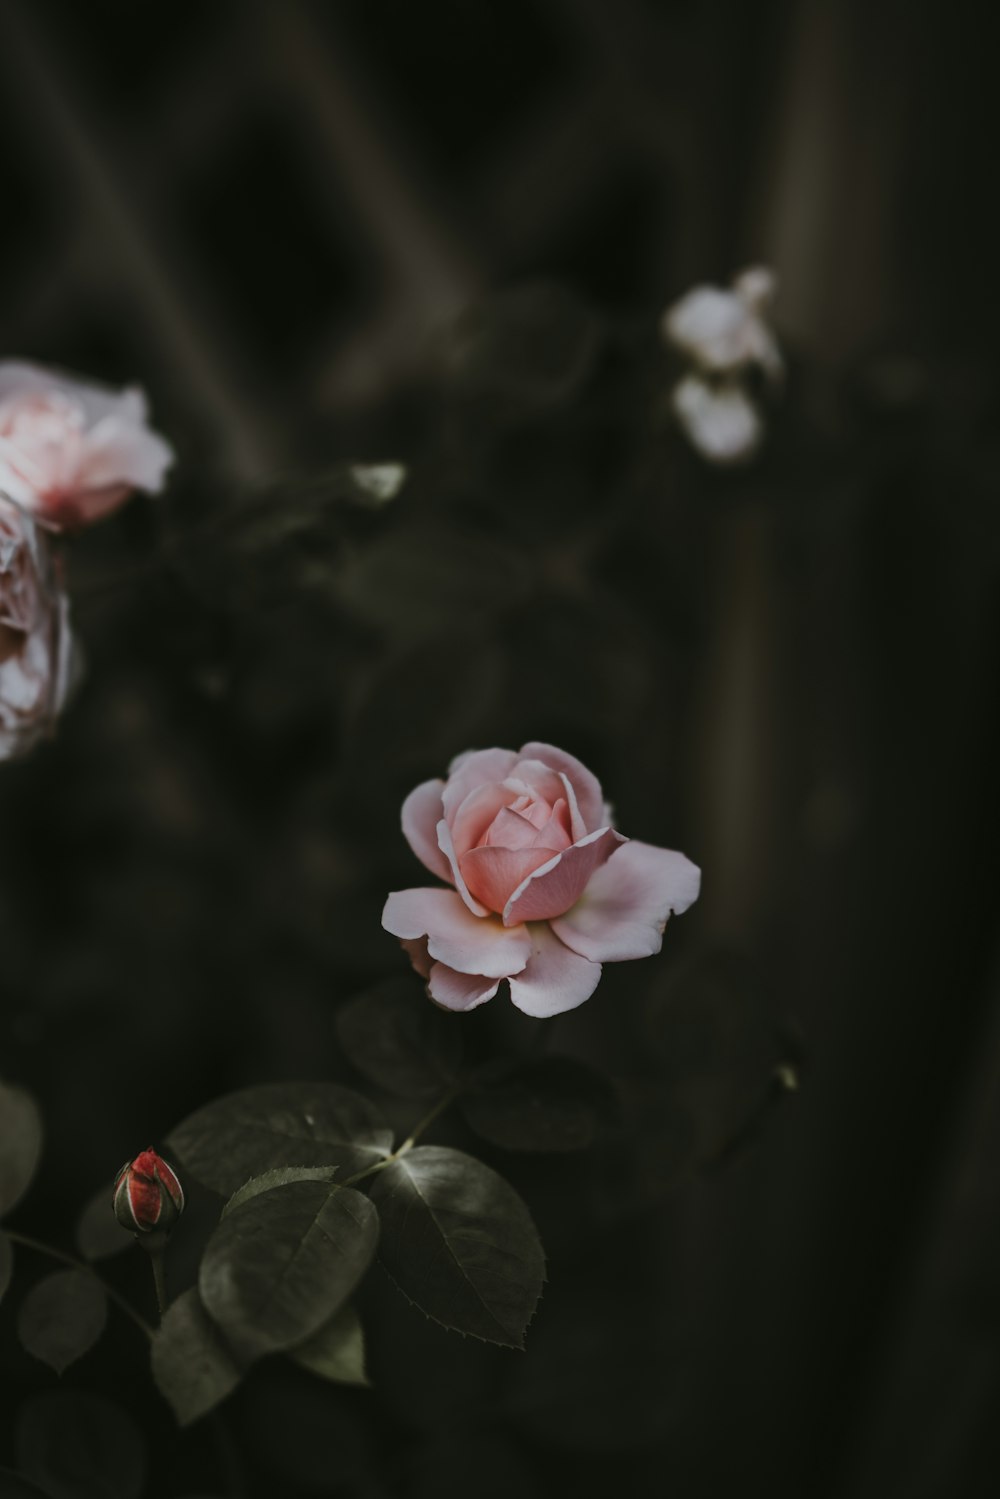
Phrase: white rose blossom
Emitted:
{"points": [[726, 338]]}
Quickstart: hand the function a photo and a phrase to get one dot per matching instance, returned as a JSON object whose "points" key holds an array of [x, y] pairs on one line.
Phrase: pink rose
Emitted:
{"points": [[545, 890], [36, 647], [71, 452]]}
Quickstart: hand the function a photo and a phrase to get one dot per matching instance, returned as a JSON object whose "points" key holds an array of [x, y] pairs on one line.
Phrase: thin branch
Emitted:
{"points": [[71, 1259]]}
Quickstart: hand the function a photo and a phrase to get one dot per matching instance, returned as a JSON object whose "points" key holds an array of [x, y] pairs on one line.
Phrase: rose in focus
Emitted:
{"points": [[544, 889], [36, 646], [147, 1194], [72, 452]]}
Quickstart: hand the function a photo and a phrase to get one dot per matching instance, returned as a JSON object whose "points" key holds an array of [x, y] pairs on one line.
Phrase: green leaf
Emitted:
{"points": [[193, 1367], [77, 1446], [98, 1232], [399, 1041], [247, 1133], [460, 1243], [20, 1144], [279, 1177], [278, 1267], [6, 1263], [337, 1351], [62, 1317], [554, 1104]]}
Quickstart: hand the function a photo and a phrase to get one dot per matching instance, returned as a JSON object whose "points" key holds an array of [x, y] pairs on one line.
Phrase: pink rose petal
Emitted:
{"points": [[512, 830], [121, 452], [552, 888], [421, 815], [625, 907], [473, 769], [531, 806], [578, 828], [540, 779], [470, 821], [493, 873], [460, 991], [455, 874], [515, 829], [18, 379], [585, 783], [551, 788], [85, 506], [472, 944], [555, 978], [557, 832]]}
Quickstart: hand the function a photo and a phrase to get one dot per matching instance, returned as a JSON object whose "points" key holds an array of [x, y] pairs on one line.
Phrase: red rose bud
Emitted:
{"points": [[148, 1195]]}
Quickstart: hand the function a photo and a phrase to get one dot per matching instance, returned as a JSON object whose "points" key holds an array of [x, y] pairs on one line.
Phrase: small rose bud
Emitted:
{"points": [[148, 1195]]}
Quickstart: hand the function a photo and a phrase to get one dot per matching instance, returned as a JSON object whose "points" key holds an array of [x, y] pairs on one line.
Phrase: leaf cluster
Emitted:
{"points": [[314, 1188]]}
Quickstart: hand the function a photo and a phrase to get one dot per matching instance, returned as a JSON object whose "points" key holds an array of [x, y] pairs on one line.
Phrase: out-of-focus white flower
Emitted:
{"points": [[725, 331], [721, 420], [380, 481], [37, 658], [726, 337]]}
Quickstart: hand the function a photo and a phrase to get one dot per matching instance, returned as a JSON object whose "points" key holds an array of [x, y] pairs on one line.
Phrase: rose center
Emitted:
{"points": [[526, 833]]}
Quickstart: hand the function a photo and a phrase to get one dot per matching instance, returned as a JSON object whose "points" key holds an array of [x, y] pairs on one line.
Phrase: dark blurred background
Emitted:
{"points": [[444, 233]]}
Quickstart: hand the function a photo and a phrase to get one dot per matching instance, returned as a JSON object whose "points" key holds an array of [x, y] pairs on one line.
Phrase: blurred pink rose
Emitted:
{"points": [[36, 647], [72, 452], [545, 890]]}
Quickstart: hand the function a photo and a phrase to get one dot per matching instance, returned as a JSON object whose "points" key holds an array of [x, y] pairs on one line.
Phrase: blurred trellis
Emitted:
{"points": [[270, 207]]}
